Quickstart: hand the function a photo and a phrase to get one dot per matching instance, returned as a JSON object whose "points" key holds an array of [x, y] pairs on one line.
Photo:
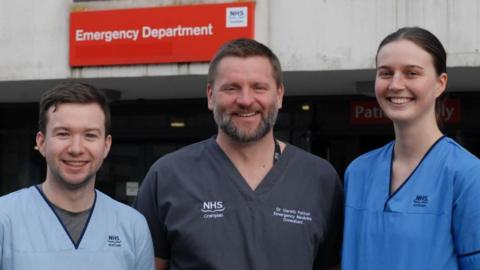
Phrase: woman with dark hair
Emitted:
{"points": [[413, 203]]}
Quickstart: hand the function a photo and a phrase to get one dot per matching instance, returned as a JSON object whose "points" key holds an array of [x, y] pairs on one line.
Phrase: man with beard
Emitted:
{"points": [[64, 223], [243, 200]]}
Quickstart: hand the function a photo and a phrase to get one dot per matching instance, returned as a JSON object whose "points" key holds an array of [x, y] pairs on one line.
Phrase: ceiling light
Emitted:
{"points": [[177, 124], [305, 107]]}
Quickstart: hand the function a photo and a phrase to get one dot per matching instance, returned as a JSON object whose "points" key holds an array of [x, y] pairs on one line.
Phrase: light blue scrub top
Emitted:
{"points": [[431, 222], [32, 237]]}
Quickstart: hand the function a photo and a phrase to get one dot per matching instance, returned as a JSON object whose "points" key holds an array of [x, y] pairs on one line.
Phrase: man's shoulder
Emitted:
{"points": [[186, 154], [307, 159], [122, 211], [15, 199], [17, 205]]}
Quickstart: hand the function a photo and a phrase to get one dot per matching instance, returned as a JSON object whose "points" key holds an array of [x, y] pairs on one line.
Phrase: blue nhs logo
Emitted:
{"points": [[236, 13], [237, 17]]}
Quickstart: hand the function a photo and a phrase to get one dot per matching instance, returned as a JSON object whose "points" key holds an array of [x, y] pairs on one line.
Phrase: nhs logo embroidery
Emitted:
{"points": [[114, 241], [237, 17], [420, 201], [213, 209]]}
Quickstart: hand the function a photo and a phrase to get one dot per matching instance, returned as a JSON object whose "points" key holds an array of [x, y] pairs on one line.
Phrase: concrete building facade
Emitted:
{"points": [[327, 49]]}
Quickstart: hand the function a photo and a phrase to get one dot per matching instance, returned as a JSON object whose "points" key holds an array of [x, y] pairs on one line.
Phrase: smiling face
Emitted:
{"points": [[406, 84], [74, 144], [245, 98]]}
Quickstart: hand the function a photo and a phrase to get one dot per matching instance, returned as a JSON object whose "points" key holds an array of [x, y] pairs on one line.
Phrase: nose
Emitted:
{"points": [[245, 97], [397, 82], [76, 146]]}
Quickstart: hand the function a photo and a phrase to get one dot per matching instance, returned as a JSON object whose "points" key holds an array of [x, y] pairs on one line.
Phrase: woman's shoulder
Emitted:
{"points": [[372, 157]]}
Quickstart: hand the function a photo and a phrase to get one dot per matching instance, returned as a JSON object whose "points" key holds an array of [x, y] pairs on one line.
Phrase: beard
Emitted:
{"points": [[225, 123]]}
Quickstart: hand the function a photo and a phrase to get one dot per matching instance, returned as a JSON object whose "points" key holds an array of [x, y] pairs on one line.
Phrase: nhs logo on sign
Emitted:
{"points": [[237, 17]]}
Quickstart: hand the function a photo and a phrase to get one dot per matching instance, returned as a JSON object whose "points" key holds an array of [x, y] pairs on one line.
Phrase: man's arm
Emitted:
{"points": [[328, 256], [3, 228], [144, 248], [161, 264], [147, 203], [1, 245]]}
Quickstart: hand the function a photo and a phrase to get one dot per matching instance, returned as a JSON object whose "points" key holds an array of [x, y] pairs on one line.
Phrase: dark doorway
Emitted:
{"points": [[127, 163]]}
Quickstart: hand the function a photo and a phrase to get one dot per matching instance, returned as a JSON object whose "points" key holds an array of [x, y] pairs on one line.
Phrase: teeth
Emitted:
{"points": [[75, 163], [246, 114], [399, 100]]}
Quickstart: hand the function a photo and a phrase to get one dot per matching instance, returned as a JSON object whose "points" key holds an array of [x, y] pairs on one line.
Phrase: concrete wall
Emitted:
{"points": [[319, 35], [344, 34]]}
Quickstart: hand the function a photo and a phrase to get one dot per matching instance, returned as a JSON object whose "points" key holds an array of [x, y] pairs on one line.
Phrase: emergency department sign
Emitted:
{"points": [[157, 35]]}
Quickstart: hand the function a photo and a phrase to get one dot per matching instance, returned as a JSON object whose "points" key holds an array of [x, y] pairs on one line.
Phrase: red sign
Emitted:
{"points": [[451, 111], [157, 35], [369, 112]]}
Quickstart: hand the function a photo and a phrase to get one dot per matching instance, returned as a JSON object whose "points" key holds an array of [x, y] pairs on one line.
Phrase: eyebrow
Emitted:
{"points": [[407, 66], [86, 130], [99, 130], [229, 84]]}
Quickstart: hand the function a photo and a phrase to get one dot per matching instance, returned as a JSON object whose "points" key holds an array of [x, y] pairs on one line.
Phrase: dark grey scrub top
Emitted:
{"points": [[203, 215]]}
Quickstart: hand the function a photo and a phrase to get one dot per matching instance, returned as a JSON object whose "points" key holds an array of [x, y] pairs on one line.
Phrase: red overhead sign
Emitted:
{"points": [[369, 112], [156, 35]]}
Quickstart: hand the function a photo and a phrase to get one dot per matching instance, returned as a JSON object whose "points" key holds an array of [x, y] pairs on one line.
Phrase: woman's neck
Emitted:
{"points": [[413, 141]]}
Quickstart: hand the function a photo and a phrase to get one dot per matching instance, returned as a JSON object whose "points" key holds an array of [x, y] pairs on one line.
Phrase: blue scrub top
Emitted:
{"points": [[32, 237], [432, 221]]}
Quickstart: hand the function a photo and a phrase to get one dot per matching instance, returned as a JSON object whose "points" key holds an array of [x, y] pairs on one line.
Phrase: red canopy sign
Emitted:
{"points": [[156, 35]]}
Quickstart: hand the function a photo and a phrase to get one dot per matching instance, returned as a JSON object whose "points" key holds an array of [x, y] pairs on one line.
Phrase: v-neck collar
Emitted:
{"points": [[234, 175], [401, 187], [76, 245]]}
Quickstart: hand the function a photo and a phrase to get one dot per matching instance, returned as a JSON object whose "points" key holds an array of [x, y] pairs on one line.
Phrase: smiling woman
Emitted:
{"points": [[412, 203], [407, 84]]}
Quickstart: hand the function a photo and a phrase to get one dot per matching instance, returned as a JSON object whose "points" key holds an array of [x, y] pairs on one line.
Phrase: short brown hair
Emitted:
{"points": [[72, 92], [244, 48]]}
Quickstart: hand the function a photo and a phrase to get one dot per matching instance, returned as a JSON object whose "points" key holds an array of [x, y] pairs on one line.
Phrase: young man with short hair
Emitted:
{"points": [[65, 223]]}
